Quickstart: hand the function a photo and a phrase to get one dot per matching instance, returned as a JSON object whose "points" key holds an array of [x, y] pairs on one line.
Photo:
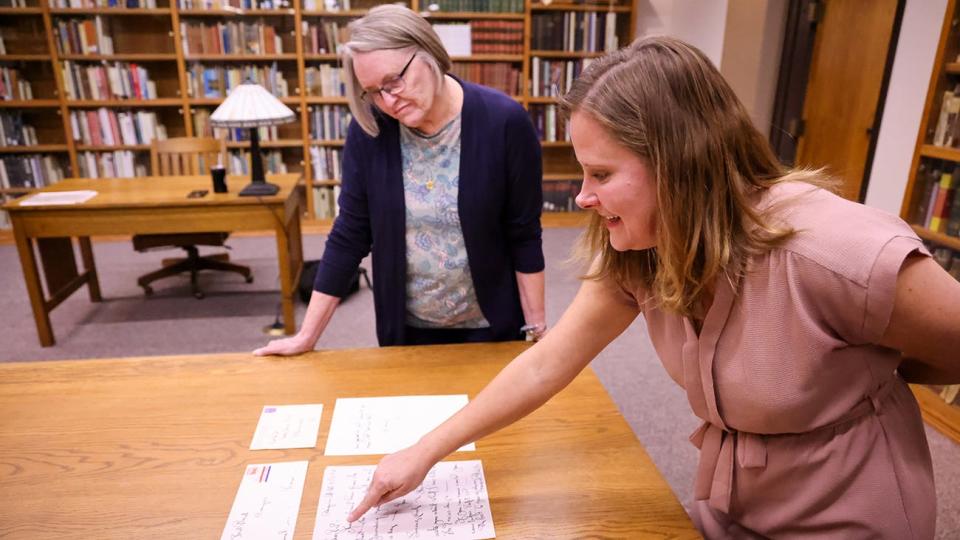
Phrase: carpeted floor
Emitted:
{"points": [[233, 316]]}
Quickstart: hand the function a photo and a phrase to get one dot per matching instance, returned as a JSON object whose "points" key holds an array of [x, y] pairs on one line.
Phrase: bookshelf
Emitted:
{"points": [[186, 54], [931, 203]]}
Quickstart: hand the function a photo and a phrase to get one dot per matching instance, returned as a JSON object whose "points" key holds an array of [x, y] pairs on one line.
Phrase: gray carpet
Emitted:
{"points": [[234, 313]]}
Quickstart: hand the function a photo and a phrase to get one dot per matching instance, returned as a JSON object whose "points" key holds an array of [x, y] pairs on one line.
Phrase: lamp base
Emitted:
{"points": [[259, 189]]}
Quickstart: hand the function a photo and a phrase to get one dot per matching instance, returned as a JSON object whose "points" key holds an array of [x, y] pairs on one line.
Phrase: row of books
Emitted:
{"points": [[549, 126], [105, 126], [552, 78], [324, 80], [230, 38], [503, 76], [238, 162], [948, 259], [117, 164], [78, 4], [575, 31], [938, 206], [947, 132], [3, 44], [560, 196], [233, 4], [14, 132], [325, 201], [325, 163], [481, 37], [328, 5], [84, 36], [13, 3], [107, 80], [486, 6], [217, 81], [203, 128], [13, 86], [329, 122], [323, 38], [29, 171], [496, 37]]}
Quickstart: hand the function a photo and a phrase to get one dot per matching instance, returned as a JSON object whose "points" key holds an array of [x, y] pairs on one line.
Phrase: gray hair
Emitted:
{"points": [[382, 28]]}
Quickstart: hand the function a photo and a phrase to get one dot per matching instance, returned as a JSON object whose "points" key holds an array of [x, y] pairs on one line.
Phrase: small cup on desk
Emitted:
{"points": [[219, 175]]}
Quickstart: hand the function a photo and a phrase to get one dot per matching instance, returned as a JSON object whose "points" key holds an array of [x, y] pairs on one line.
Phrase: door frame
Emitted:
{"points": [[796, 60]]}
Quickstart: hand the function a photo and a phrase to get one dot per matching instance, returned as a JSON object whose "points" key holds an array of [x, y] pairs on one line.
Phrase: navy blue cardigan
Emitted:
{"points": [[500, 199]]}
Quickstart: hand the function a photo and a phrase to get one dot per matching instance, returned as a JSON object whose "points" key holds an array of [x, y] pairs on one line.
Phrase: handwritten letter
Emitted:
{"points": [[287, 426], [267, 502], [363, 426], [452, 503]]}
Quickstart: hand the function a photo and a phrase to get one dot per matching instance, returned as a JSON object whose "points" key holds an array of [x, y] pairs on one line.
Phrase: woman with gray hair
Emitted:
{"points": [[442, 183]]}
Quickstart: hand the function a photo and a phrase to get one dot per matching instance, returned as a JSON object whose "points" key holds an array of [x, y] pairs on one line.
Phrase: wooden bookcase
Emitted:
{"points": [[930, 160], [153, 38]]}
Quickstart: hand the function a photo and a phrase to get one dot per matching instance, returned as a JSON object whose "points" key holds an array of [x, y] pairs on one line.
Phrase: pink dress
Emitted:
{"points": [[807, 430]]}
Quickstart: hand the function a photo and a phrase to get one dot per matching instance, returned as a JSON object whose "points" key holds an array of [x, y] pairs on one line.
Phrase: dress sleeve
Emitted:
{"points": [[848, 265], [525, 193], [882, 284], [350, 239]]}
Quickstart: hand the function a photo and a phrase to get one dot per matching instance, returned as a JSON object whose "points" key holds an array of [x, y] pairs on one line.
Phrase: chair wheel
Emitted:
{"points": [[249, 279], [198, 295]]}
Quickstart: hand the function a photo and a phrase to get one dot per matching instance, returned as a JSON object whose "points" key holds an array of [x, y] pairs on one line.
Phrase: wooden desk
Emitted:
{"points": [[146, 205], [156, 447]]}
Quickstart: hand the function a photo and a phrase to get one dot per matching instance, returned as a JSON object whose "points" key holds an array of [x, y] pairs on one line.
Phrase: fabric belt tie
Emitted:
{"points": [[720, 449]]}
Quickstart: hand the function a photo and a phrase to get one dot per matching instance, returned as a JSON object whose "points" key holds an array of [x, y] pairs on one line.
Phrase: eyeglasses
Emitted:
{"points": [[393, 86]]}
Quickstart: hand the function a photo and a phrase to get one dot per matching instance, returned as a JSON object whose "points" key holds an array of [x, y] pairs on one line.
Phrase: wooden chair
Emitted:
{"points": [[185, 156]]}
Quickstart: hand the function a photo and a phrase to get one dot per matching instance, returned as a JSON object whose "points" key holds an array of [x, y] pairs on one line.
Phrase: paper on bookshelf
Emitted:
{"points": [[455, 38], [50, 198], [451, 503]]}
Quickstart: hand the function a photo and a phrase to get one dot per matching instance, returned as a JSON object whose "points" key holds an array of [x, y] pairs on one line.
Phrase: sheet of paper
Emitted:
{"points": [[58, 197], [382, 425], [267, 502], [452, 503], [287, 426]]}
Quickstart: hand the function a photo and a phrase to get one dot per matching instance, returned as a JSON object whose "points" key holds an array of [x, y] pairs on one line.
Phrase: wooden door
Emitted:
{"points": [[840, 111]]}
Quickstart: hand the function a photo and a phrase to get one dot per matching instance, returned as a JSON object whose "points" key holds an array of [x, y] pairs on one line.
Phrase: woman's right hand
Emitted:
{"points": [[396, 475], [290, 346]]}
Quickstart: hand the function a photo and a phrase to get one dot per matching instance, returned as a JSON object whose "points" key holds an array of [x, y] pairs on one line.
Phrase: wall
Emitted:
{"points": [[743, 38], [698, 22], [912, 66], [751, 54]]}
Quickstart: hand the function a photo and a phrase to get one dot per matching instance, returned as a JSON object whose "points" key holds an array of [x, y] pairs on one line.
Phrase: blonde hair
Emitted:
{"points": [[382, 28], [662, 99]]}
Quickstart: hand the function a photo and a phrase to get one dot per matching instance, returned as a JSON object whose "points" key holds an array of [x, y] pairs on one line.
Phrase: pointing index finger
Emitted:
{"points": [[369, 500]]}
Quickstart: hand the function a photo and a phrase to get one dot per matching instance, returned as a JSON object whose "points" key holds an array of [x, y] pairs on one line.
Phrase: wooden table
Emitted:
{"points": [[156, 447], [141, 206]]}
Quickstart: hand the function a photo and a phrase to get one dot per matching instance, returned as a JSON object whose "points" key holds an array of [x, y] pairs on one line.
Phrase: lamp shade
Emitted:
{"points": [[251, 105]]}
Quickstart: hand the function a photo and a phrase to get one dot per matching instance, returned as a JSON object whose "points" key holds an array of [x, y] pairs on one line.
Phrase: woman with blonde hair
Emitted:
{"points": [[790, 316], [442, 182]]}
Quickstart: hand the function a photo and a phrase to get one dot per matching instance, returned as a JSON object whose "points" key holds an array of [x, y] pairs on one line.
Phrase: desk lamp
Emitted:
{"points": [[251, 105]]}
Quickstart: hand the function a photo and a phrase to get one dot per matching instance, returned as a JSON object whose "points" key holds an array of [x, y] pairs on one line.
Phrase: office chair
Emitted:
{"points": [[186, 156]]}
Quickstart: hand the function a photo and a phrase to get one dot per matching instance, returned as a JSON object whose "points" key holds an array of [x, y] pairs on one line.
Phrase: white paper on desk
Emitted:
{"points": [[49, 198], [287, 426], [452, 503], [267, 502], [383, 425]]}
